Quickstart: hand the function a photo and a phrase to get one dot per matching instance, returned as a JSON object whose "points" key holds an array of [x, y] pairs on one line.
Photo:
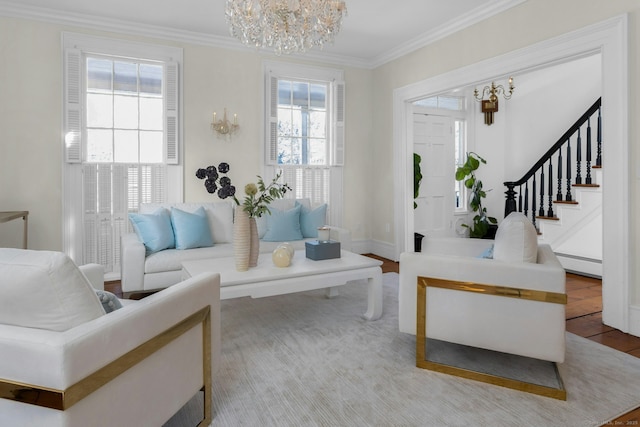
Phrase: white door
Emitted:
{"points": [[434, 142]]}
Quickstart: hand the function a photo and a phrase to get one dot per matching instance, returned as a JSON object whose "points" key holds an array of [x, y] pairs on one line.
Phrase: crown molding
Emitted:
{"points": [[470, 18], [92, 22]]}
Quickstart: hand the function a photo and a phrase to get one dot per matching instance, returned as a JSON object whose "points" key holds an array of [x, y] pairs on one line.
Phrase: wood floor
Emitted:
{"points": [[584, 318]]}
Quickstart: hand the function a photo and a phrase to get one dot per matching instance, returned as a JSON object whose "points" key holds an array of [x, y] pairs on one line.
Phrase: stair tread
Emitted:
{"points": [[586, 185], [551, 218], [566, 202]]}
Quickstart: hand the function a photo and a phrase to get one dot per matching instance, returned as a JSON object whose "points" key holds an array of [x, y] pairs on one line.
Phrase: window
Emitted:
{"points": [[124, 111], [121, 141], [452, 103], [305, 132], [302, 123]]}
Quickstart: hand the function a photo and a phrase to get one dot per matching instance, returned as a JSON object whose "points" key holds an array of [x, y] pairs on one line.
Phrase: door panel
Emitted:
{"points": [[434, 142]]}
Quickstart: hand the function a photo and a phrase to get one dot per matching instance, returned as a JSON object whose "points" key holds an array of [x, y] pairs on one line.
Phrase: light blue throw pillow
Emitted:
{"points": [[191, 230], [310, 220], [488, 253], [154, 230], [283, 226], [109, 301]]}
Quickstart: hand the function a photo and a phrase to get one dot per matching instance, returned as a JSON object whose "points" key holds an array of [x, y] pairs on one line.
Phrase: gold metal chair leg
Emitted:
{"points": [[421, 335]]}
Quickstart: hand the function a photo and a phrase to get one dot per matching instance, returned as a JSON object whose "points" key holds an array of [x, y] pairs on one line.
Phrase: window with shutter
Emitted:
{"points": [[122, 119], [304, 131]]}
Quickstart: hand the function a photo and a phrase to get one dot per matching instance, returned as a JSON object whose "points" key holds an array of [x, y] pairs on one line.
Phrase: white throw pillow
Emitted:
{"points": [[516, 240], [44, 290], [220, 221]]}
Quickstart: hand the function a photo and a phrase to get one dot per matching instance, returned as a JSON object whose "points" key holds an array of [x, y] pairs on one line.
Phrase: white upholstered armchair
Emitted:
{"points": [[65, 362], [513, 303]]}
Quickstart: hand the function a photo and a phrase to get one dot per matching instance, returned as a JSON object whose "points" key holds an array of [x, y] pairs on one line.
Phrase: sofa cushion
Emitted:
{"points": [[311, 219], [219, 214], [44, 290], [516, 240], [154, 230], [280, 204], [283, 226], [191, 230]]}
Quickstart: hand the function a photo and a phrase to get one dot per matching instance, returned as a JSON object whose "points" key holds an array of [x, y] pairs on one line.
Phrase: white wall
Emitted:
{"points": [[214, 78], [545, 103], [509, 32]]}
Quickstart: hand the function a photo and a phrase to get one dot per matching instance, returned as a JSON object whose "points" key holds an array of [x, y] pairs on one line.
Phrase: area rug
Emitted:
{"points": [[305, 360]]}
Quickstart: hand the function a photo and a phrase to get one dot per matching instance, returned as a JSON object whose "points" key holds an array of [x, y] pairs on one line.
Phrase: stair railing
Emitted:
{"points": [[538, 169]]}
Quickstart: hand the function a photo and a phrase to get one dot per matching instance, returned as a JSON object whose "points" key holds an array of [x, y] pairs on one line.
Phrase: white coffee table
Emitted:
{"points": [[302, 275]]}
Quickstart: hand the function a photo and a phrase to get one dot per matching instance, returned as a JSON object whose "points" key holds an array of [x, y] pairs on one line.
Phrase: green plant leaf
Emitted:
{"points": [[473, 163]]}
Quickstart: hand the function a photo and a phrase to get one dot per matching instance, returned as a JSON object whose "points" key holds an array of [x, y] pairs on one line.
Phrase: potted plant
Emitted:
{"points": [[417, 178], [483, 226]]}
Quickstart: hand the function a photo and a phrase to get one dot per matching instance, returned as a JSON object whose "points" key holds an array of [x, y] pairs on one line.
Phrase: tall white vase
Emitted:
{"points": [[254, 243], [241, 239]]}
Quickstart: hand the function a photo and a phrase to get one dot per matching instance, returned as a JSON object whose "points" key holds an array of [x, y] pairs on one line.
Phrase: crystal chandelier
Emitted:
{"points": [[287, 26]]}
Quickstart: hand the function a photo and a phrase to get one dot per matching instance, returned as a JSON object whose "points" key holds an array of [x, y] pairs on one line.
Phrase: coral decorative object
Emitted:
{"points": [[281, 257], [289, 247]]}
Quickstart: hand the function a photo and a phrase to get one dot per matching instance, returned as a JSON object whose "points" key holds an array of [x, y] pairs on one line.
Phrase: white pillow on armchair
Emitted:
{"points": [[44, 290], [516, 240]]}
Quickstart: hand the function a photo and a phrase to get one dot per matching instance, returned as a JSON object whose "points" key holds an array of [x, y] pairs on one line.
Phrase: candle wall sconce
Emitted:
{"points": [[223, 126], [490, 105]]}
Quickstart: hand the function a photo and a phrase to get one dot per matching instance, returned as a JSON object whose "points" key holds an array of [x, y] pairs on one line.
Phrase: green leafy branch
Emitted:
{"points": [[467, 174], [256, 204]]}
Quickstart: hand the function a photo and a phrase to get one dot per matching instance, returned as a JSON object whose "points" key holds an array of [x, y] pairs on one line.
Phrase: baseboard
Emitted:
{"points": [[384, 249], [362, 246], [581, 265], [634, 320], [376, 247]]}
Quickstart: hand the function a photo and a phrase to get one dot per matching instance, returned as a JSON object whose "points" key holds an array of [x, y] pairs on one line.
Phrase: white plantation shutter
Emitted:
{"points": [[171, 135], [99, 196], [313, 183], [90, 213], [73, 110], [111, 191], [271, 131], [119, 221], [337, 143]]}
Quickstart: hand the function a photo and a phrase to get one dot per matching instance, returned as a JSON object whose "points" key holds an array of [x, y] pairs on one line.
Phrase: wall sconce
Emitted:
{"points": [[224, 126], [490, 106]]}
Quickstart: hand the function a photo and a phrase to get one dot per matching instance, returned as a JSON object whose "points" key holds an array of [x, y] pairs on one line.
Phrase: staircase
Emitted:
{"points": [[567, 211]]}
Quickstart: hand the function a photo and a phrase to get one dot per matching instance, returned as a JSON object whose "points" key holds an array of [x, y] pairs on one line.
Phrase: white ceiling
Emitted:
{"points": [[374, 31]]}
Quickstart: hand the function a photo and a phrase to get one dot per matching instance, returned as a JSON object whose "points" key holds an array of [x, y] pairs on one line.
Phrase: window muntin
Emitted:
{"points": [[124, 114], [452, 103]]}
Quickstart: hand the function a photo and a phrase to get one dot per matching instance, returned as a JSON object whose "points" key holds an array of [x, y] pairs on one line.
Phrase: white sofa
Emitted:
{"points": [[511, 325], [141, 272], [137, 365]]}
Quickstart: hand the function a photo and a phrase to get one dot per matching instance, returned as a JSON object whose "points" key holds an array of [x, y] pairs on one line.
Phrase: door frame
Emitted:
{"points": [[610, 38]]}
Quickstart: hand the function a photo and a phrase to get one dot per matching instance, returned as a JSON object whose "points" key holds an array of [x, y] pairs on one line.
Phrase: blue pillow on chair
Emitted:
{"points": [[154, 230], [283, 226], [191, 230], [311, 219]]}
